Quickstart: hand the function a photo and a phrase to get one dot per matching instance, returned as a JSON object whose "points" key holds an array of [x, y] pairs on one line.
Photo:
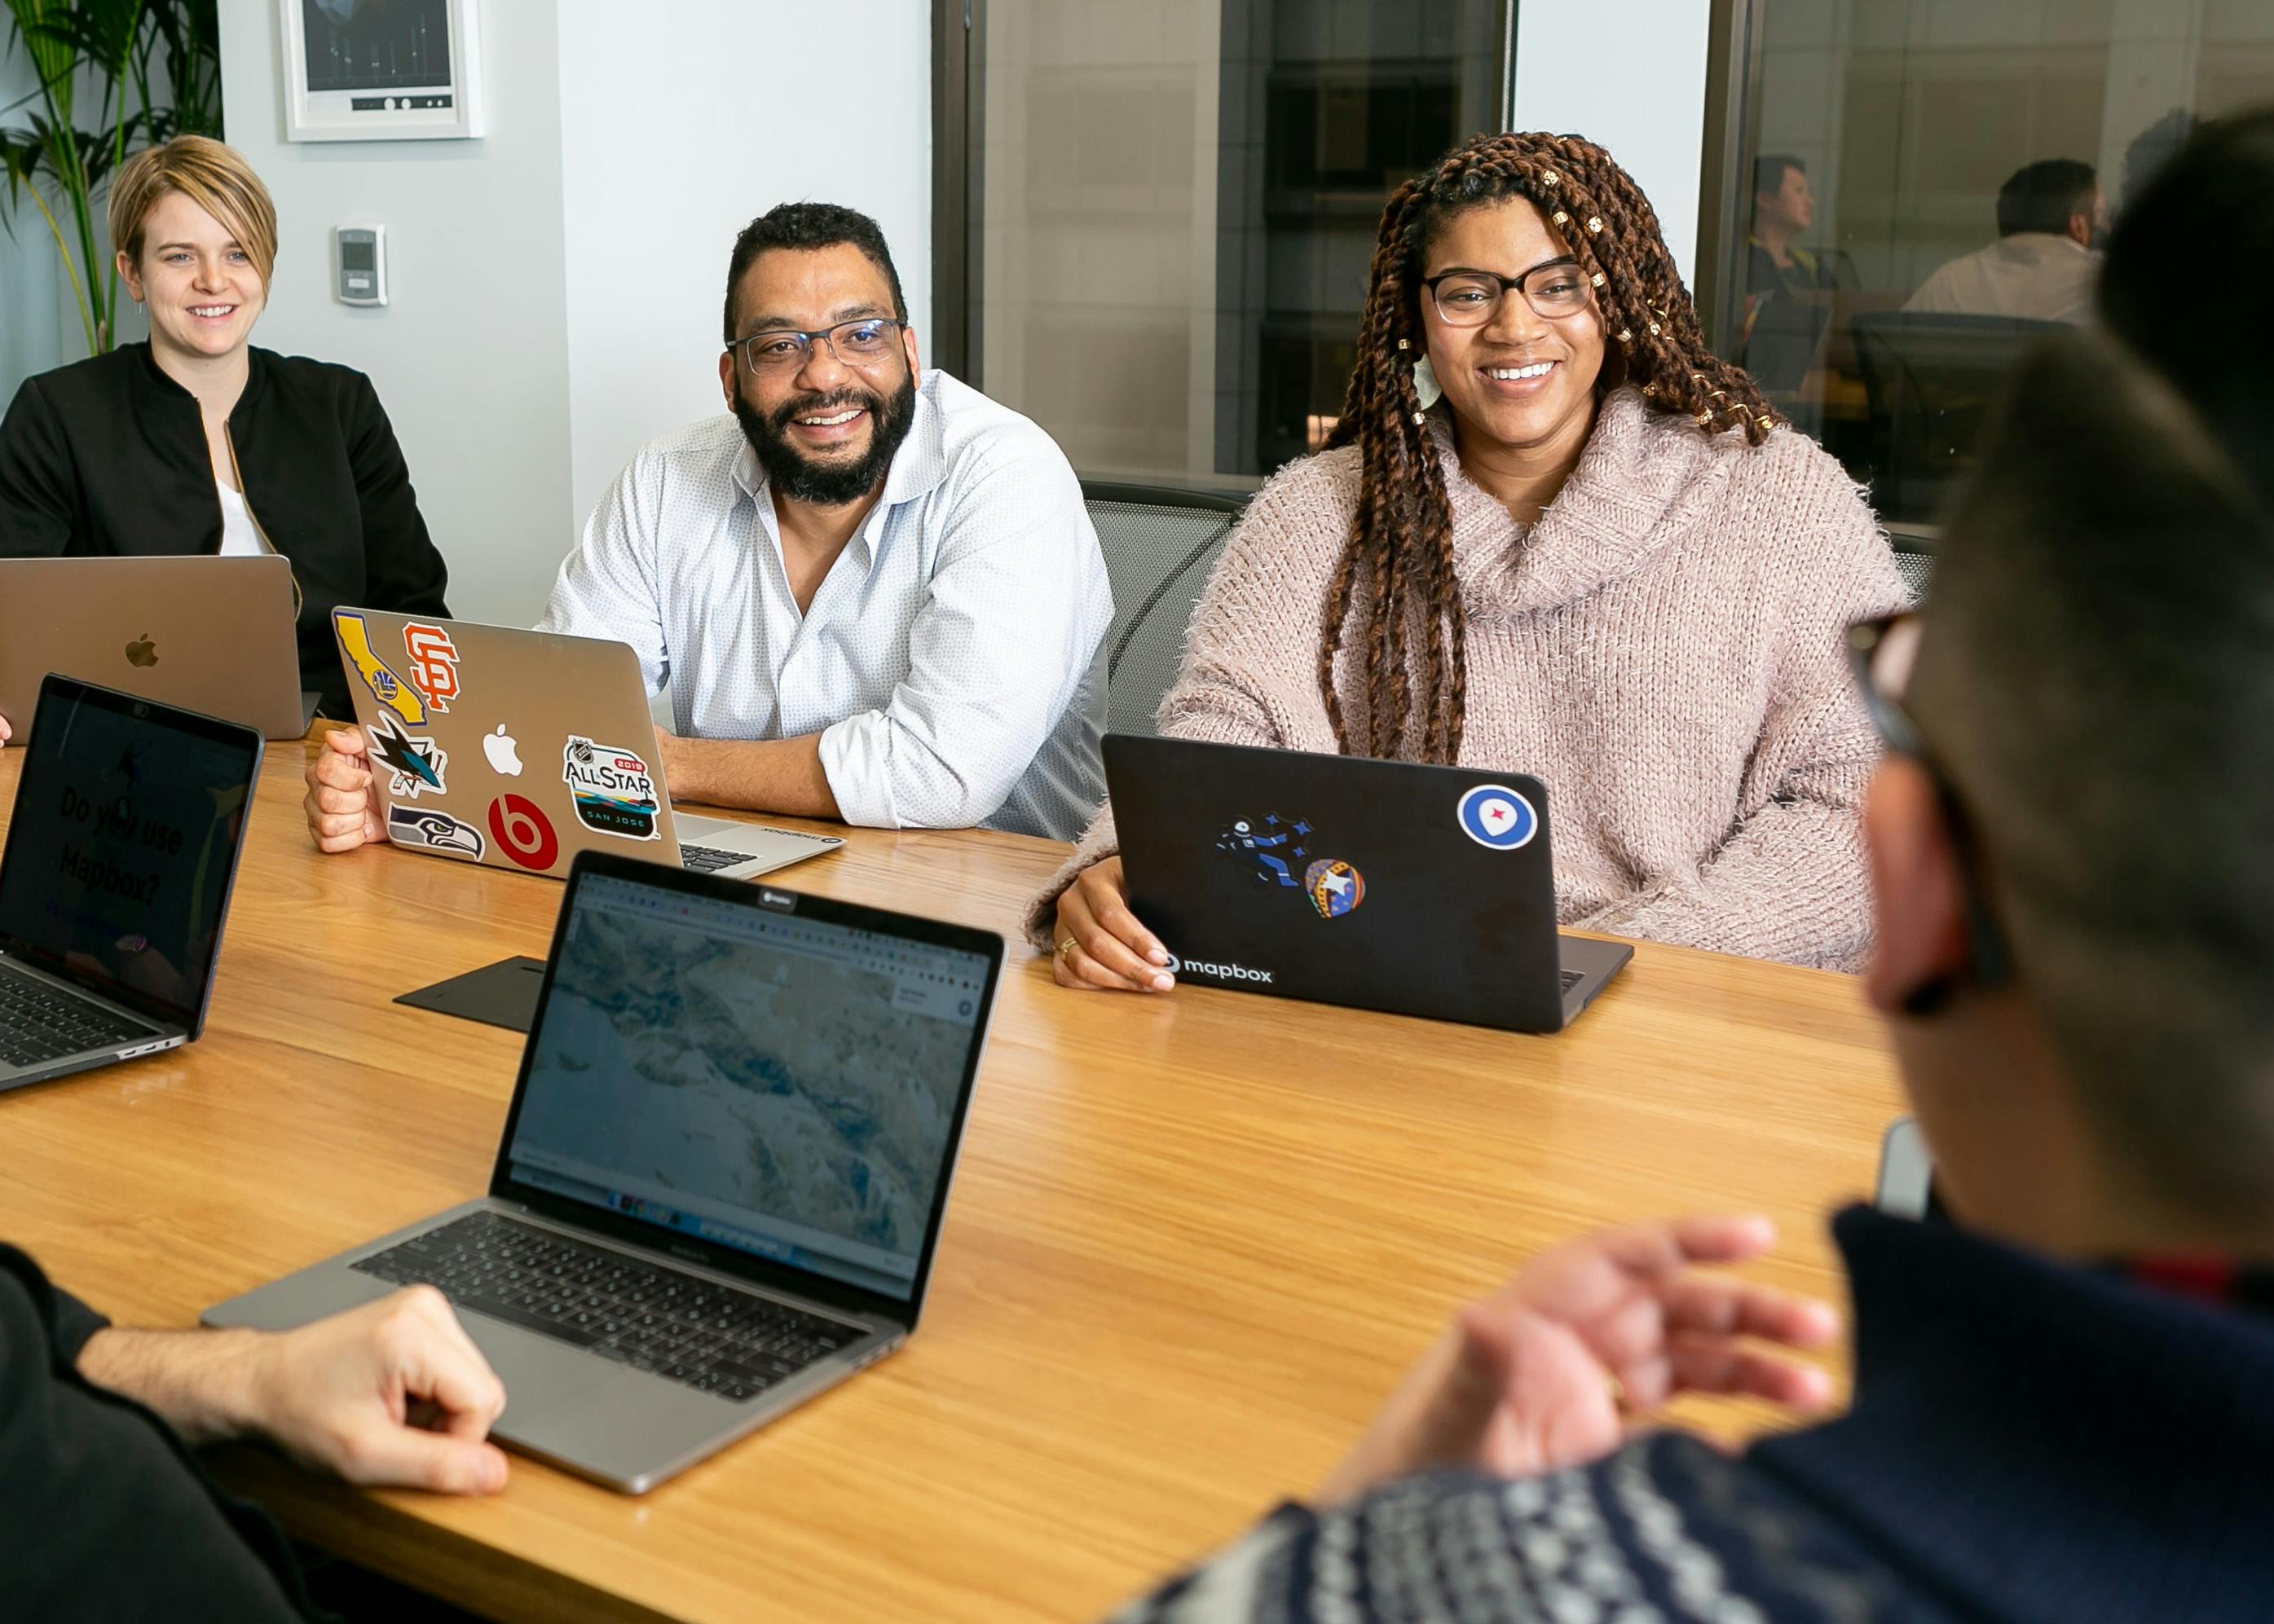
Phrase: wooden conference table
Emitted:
{"points": [[1192, 1242]]}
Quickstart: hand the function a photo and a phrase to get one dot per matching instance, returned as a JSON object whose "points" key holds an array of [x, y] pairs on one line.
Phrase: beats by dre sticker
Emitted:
{"points": [[522, 832]]}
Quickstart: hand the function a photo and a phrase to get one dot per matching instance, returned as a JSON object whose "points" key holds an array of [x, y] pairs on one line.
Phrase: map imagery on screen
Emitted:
{"points": [[781, 1083]]}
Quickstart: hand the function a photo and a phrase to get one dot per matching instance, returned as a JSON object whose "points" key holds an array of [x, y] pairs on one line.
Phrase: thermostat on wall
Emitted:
{"points": [[359, 264]]}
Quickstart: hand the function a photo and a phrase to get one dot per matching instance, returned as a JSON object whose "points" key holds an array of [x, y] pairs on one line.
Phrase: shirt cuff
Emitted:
{"points": [[857, 759]]}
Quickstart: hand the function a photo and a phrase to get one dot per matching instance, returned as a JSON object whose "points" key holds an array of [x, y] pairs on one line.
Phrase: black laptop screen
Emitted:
{"points": [[777, 1084], [122, 846]]}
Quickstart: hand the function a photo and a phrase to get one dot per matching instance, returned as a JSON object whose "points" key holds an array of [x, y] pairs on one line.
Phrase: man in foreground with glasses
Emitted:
{"points": [[2064, 1405], [875, 593]]}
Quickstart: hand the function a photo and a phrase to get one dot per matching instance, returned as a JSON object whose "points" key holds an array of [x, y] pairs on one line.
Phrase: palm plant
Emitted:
{"points": [[116, 51]]}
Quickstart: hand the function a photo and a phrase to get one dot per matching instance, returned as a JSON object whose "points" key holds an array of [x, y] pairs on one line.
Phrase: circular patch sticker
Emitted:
{"points": [[1494, 815], [522, 832], [1333, 886]]}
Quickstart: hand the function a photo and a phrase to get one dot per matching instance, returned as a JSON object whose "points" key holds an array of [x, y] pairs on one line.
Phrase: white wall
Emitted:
{"points": [[555, 286], [673, 138], [1630, 75]]}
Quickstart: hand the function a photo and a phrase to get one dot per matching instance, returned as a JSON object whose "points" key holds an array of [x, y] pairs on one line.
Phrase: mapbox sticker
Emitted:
{"points": [[436, 831], [1333, 886], [615, 795], [1497, 818], [434, 665], [416, 764]]}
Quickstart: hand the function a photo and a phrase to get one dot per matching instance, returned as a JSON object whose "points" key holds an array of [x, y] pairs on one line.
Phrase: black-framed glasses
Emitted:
{"points": [[784, 349], [1468, 298], [1881, 654]]}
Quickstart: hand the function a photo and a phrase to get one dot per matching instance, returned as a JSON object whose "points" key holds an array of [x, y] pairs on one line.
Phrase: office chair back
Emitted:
{"points": [[1933, 383], [1160, 545]]}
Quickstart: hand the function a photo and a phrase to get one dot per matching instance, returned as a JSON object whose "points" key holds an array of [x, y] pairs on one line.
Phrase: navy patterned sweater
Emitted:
{"points": [[2027, 1440]]}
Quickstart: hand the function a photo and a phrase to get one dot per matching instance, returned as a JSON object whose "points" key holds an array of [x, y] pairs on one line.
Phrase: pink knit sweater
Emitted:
{"points": [[1663, 650]]}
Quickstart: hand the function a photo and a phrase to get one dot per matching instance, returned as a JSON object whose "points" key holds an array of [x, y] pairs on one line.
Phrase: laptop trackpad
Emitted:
{"points": [[538, 1373]]}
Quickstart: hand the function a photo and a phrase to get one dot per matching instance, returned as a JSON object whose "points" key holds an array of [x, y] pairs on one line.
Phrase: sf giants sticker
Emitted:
{"points": [[524, 833], [434, 665], [417, 765], [390, 690], [615, 795], [435, 831]]}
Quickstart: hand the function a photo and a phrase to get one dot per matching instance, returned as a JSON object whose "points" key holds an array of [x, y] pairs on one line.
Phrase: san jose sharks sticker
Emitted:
{"points": [[434, 831], [613, 791], [415, 765]]}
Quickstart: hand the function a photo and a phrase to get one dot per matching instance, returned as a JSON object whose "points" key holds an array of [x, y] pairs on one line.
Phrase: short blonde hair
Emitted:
{"points": [[215, 178]]}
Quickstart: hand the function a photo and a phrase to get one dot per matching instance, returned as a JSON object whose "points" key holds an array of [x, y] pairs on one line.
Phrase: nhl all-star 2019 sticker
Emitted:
{"points": [[614, 791], [1497, 817], [416, 764], [436, 831], [1334, 887]]}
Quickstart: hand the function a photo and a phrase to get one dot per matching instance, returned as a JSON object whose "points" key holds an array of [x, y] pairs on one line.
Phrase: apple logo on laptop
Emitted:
{"points": [[142, 653], [504, 753]]}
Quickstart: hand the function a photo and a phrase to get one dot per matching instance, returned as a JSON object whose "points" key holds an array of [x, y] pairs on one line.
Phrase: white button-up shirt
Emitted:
{"points": [[953, 659], [2037, 276]]}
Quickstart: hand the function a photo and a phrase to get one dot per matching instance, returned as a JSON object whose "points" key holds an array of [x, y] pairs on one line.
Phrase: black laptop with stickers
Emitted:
{"points": [[1383, 885]]}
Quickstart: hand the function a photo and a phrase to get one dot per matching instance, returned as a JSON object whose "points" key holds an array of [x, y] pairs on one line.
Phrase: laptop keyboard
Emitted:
{"points": [[1572, 978], [709, 858], [653, 1317], [40, 1022]]}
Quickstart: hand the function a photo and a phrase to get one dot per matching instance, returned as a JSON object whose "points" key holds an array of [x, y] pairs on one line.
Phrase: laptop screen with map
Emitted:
{"points": [[784, 1086]]}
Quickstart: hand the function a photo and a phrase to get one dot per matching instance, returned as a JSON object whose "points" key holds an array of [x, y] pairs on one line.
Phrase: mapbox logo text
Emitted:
{"points": [[1221, 972]]}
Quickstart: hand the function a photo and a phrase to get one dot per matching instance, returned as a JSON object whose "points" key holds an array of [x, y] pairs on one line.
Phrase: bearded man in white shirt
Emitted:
{"points": [[875, 593]]}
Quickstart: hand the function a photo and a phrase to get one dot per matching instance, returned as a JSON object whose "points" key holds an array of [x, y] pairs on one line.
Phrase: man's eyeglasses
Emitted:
{"points": [[784, 349], [1881, 653], [1466, 298]]}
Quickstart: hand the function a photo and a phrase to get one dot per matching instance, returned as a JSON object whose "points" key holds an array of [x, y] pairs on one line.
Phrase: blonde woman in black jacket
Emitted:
{"points": [[198, 442]]}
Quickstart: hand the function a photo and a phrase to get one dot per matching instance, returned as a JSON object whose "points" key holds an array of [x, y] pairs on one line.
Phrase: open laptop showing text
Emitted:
{"points": [[122, 851]]}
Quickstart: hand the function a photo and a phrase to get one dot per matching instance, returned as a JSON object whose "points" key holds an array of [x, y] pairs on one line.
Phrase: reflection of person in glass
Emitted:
{"points": [[2052, 218], [1782, 321], [1553, 532]]}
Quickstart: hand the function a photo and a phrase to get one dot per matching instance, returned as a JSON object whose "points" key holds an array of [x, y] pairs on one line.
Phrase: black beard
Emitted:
{"points": [[828, 485]]}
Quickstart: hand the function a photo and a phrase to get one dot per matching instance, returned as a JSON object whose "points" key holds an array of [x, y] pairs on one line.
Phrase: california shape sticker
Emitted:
{"points": [[613, 791]]}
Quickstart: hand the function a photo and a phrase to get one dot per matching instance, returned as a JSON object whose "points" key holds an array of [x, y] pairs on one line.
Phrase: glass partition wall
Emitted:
{"points": [[1176, 205], [1917, 189]]}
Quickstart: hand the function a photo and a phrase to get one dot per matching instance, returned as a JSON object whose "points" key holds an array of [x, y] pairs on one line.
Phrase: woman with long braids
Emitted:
{"points": [[1551, 533]]}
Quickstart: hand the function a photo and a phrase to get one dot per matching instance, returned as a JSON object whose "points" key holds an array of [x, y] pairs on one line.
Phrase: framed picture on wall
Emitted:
{"points": [[382, 69]]}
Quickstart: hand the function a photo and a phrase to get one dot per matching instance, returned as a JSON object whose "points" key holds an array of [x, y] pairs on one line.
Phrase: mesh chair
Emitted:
{"points": [[1933, 383], [1159, 545]]}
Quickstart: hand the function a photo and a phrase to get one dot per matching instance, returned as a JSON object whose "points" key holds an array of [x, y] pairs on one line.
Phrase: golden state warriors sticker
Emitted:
{"points": [[1497, 818], [613, 791], [392, 692]]}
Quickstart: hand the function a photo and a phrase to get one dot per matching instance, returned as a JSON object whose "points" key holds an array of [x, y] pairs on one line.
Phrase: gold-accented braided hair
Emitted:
{"points": [[1397, 567]]}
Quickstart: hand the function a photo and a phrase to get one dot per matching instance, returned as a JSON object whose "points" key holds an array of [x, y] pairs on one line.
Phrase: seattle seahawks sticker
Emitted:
{"points": [[615, 793], [434, 831], [1497, 818], [416, 764]]}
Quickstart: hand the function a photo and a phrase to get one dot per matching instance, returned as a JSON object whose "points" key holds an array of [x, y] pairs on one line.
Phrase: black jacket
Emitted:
{"points": [[103, 1515], [108, 457]]}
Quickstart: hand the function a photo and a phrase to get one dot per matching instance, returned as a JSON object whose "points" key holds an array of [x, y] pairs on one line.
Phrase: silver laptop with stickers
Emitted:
{"points": [[520, 749]]}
